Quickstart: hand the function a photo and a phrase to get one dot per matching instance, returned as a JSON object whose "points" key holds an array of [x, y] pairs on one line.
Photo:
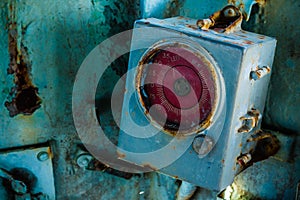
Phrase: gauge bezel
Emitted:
{"points": [[201, 53]]}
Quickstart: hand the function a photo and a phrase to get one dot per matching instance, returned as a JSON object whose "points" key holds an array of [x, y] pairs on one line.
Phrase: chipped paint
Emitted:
{"points": [[25, 99], [60, 35]]}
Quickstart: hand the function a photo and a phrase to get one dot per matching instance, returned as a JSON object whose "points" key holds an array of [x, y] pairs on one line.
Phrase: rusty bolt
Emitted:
{"points": [[203, 144], [244, 159], [204, 24], [260, 72], [43, 156]]}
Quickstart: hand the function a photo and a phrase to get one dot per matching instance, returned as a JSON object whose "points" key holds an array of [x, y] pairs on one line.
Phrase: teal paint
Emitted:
{"points": [[283, 105], [276, 19], [60, 34]]}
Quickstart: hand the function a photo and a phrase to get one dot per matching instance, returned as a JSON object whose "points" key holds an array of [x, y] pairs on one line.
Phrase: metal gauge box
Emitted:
{"points": [[193, 98]]}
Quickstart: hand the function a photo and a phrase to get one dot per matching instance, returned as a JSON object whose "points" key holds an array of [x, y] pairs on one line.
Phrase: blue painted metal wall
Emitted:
{"points": [[55, 36]]}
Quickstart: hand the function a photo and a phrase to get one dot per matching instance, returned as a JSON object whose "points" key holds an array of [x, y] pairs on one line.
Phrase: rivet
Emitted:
{"points": [[43, 156]]}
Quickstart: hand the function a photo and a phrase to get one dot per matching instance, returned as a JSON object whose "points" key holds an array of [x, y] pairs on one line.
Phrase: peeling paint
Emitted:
{"points": [[25, 99]]}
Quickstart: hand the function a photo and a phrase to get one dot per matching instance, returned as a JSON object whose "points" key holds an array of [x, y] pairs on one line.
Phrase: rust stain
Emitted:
{"points": [[149, 166], [25, 99], [121, 155], [248, 42], [194, 27], [181, 17], [261, 2], [50, 152]]}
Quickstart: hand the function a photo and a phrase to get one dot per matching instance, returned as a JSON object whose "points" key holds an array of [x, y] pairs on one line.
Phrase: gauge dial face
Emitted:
{"points": [[176, 87]]}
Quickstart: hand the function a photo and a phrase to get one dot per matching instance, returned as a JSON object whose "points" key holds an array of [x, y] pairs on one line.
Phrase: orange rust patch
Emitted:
{"points": [[121, 155], [248, 42], [24, 95], [149, 166]]}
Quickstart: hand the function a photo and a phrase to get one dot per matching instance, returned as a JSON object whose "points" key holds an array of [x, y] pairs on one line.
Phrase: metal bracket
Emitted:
{"points": [[30, 166], [227, 20]]}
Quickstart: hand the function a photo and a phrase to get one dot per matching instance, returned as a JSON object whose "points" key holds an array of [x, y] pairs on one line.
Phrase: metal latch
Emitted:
{"points": [[227, 20]]}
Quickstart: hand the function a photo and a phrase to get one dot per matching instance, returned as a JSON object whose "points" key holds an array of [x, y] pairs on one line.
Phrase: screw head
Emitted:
{"points": [[43, 156], [83, 160], [203, 144]]}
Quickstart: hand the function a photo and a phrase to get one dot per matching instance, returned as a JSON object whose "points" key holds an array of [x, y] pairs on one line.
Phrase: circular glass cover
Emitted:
{"points": [[176, 87]]}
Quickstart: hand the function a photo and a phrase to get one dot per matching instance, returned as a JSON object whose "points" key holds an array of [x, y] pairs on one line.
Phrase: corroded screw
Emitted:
{"points": [[260, 72], [244, 159]]}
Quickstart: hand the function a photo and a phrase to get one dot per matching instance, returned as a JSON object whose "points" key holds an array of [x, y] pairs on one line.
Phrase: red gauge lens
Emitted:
{"points": [[180, 83]]}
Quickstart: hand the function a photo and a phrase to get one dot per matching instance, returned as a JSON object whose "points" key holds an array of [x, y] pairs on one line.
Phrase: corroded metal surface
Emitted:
{"points": [[59, 34]]}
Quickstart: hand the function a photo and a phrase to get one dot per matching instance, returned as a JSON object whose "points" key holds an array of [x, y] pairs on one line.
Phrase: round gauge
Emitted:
{"points": [[177, 88]]}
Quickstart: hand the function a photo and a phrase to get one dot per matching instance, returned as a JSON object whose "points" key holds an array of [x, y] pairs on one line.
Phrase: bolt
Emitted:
{"points": [[244, 159], [203, 144], [229, 12], [43, 156], [260, 72], [83, 160]]}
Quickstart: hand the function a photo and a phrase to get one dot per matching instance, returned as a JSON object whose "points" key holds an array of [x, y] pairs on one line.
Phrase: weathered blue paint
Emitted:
{"points": [[60, 34], [234, 57], [274, 18]]}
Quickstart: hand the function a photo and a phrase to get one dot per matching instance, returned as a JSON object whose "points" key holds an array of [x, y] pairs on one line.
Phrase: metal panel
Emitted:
{"points": [[38, 161]]}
